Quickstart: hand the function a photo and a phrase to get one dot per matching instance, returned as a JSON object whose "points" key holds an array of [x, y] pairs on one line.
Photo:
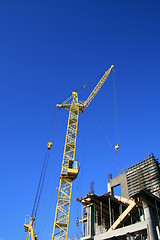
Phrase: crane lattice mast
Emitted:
{"points": [[70, 167]]}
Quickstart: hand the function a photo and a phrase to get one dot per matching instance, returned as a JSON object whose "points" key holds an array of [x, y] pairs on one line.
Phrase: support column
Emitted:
{"points": [[131, 238], [90, 222], [150, 221]]}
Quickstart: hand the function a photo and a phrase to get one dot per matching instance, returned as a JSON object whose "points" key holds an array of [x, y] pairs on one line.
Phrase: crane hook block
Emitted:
{"points": [[116, 146], [49, 145], [77, 222]]}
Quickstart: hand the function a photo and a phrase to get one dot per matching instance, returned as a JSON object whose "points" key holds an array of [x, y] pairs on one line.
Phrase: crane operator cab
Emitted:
{"points": [[73, 169]]}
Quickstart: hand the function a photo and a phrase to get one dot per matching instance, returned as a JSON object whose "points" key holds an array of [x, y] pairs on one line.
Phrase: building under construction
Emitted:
{"points": [[134, 214]]}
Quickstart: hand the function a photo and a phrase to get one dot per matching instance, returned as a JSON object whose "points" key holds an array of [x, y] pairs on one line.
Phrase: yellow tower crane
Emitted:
{"points": [[70, 167], [29, 228]]}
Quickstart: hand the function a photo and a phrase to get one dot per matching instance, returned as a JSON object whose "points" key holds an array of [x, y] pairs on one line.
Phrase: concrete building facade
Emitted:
{"points": [[134, 215]]}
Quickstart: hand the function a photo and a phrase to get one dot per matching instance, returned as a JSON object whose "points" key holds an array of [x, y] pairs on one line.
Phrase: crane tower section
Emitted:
{"points": [[70, 167], [69, 171]]}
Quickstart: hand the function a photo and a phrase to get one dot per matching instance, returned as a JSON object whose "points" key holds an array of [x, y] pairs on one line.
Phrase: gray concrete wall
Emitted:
{"points": [[119, 180]]}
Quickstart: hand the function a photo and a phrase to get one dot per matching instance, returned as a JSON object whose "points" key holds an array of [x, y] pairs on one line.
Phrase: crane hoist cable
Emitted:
{"points": [[52, 133], [43, 173], [103, 132], [117, 163], [34, 210], [116, 116], [28, 225], [116, 146], [42, 185], [52, 124], [116, 110]]}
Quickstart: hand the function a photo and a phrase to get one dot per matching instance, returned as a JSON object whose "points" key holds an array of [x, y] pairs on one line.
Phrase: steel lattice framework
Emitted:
{"points": [[60, 229], [69, 169], [29, 228]]}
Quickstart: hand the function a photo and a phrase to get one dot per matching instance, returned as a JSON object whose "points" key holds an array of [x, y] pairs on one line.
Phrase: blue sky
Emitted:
{"points": [[49, 49]]}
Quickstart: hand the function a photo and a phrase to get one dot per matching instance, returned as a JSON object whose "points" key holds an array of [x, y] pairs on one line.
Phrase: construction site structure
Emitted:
{"points": [[133, 215]]}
